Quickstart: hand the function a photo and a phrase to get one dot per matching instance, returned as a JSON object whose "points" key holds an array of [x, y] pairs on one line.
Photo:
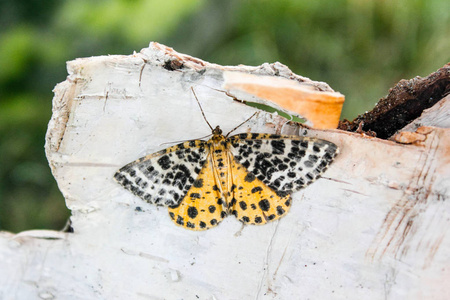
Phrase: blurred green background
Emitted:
{"points": [[361, 48]]}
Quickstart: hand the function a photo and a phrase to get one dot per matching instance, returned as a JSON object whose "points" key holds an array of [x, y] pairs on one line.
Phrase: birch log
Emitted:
{"points": [[376, 226]]}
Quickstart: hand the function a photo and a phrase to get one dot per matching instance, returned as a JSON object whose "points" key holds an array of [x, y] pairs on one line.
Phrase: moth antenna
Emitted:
{"points": [[204, 117], [241, 124]]}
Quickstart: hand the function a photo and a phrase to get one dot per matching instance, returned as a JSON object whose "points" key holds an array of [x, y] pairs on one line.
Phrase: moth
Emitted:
{"points": [[248, 175]]}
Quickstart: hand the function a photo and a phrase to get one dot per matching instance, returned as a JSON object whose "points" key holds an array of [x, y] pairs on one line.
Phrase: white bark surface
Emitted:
{"points": [[376, 226]]}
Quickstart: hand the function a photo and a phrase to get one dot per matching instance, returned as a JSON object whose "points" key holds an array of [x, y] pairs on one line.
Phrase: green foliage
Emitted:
{"points": [[361, 48]]}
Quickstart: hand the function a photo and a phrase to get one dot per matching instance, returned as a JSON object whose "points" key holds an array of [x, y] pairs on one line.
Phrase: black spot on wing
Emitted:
{"points": [[198, 183], [271, 217], [256, 189], [243, 205], [164, 162], [264, 205], [250, 177], [280, 210], [190, 225], [195, 196], [277, 146], [283, 194], [291, 175], [192, 212]]}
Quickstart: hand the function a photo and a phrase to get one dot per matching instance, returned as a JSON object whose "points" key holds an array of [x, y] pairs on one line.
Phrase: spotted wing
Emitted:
{"points": [[283, 163], [253, 201], [164, 177], [203, 206]]}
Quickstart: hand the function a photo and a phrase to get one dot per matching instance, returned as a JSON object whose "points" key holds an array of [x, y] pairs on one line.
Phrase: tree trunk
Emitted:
{"points": [[374, 226]]}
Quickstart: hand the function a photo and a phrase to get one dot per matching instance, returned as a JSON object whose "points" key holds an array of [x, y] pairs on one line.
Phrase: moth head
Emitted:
{"points": [[217, 131]]}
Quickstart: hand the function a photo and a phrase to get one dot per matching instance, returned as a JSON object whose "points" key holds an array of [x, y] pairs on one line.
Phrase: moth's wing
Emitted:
{"points": [[284, 163], [164, 177], [202, 207], [253, 202]]}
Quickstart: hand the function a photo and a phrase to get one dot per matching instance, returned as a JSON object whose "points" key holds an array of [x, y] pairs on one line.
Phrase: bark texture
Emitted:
{"points": [[375, 226]]}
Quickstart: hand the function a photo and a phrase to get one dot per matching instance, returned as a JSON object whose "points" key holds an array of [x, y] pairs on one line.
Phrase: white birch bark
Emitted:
{"points": [[376, 226]]}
